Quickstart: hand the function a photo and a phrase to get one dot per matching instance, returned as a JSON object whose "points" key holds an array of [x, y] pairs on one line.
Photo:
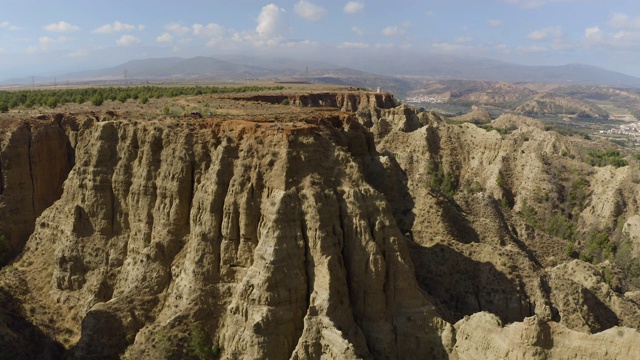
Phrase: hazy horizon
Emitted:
{"points": [[65, 36]]}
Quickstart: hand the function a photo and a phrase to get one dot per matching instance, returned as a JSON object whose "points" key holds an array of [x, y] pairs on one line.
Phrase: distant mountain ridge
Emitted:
{"points": [[359, 70]]}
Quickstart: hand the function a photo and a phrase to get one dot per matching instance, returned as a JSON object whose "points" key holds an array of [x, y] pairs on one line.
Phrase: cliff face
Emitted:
{"points": [[267, 235], [324, 236], [35, 158]]}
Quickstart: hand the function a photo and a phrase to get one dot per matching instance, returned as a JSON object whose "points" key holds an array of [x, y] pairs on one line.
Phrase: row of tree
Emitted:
{"points": [[52, 98]]}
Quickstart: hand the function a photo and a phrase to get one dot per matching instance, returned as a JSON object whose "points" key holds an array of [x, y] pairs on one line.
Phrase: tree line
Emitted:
{"points": [[96, 96]]}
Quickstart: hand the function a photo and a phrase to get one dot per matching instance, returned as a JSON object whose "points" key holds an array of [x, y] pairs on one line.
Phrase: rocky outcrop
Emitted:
{"points": [[269, 237]]}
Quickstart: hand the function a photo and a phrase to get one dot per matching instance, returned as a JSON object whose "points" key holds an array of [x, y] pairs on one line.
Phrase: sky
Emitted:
{"points": [[48, 37]]}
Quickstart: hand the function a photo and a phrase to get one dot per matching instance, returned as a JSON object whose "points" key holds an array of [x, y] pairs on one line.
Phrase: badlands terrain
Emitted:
{"points": [[309, 223]]}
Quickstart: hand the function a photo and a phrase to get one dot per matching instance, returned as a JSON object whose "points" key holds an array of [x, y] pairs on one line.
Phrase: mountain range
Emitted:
{"points": [[393, 72]]}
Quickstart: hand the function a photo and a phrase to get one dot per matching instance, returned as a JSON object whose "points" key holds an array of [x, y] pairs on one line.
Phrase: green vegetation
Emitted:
{"points": [[285, 102], [567, 131], [608, 157], [52, 98], [200, 345], [629, 265], [443, 181], [597, 247]]}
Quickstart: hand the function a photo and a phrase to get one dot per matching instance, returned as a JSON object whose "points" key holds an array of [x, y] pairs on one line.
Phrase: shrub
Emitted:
{"points": [[97, 100], [285, 102], [144, 100], [200, 345], [52, 102], [608, 157]]}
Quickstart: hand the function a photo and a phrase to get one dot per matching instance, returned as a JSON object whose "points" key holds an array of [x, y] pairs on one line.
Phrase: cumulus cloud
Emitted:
{"points": [[623, 21], [546, 34], [352, 45], [594, 37], [165, 38], [78, 53], [61, 26], [309, 10], [392, 31], [495, 23], [7, 25], [128, 40], [177, 28], [209, 30], [554, 35], [271, 21], [117, 26], [45, 42], [353, 7]]}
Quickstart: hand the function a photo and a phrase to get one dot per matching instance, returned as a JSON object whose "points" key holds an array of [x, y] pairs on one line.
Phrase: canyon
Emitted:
{"points": [[312, 224]]}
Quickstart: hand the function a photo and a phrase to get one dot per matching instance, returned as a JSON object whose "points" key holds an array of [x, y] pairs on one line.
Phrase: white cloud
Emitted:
{"points": [[309, 10], [128, 40], [623, 21], [45, 42], [352, 45], [594, 37], [177, 28], [554, 35], [32, 49], [546, 34], [117, 26], [353, 7], [164, 38], [358, 31], [78, 53], [61, 26], [271, 21], [531, 49], [495, 23], [392, 31], [7, 25], [209, 30]]}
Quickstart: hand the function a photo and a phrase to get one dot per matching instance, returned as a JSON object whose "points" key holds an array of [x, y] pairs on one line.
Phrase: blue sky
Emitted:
{"points": [[45, 37]]}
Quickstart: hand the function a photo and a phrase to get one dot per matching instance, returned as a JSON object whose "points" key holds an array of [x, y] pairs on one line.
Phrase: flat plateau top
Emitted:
{"points": [[272, 102]]}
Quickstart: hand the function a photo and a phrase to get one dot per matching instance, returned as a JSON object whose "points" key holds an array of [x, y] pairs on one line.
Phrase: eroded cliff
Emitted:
{"points": [[331, 233]]}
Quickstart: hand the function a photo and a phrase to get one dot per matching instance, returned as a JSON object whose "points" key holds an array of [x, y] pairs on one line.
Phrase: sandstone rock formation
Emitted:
{"points": [[333, 234]]}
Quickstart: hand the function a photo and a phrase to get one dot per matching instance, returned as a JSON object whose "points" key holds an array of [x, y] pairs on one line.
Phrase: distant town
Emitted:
{"points": [[631, 130], [431, 99]]}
